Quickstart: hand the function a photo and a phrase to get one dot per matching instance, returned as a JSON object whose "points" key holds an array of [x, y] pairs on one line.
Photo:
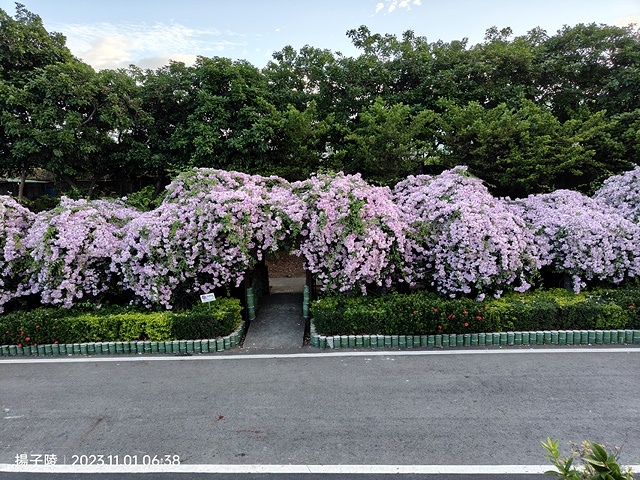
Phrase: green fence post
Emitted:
{"points": [[305, 302], [251, 305]]}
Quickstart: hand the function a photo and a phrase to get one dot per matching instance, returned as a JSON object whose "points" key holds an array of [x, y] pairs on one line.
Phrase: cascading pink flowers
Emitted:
{"points": [[622, 192], [71, 248], [15, 222], [352, 234], [446, 232], [468, 241], [211, 228], [582, 237]]}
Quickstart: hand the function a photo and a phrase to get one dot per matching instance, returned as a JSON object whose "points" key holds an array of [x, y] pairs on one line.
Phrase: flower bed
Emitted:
{"points": [[445, 234]]}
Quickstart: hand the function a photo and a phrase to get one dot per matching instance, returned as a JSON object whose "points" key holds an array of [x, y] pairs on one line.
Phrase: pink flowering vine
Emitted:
{"points": [[15, 223], [71, 248], [467, 241]]}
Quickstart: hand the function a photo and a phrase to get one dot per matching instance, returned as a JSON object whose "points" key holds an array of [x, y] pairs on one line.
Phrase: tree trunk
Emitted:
{"points": [[92, 187], [158, 188], [23, 181], [70, 181]]}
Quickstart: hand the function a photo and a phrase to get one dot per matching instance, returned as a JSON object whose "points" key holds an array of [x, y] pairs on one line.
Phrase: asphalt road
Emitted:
{"points": [[489, 407]]}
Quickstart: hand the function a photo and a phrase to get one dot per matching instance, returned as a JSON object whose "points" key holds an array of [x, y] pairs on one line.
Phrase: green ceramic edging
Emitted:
{"points": [[550, 337], [174, 347]]}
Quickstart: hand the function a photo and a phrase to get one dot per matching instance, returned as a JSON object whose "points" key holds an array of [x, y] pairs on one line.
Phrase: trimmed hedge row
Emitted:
{"points": [[425, 313], [117, 324]]}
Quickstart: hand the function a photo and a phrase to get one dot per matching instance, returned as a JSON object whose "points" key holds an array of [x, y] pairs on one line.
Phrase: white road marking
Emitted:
{"points": [[284, 469], [267, 356]]}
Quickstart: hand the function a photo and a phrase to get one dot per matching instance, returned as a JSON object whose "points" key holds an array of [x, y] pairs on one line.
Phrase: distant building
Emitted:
{"points": [[35, 186]]}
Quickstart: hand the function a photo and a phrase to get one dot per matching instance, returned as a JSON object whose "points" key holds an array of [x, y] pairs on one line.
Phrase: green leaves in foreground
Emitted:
{"points": [[597, 463]]}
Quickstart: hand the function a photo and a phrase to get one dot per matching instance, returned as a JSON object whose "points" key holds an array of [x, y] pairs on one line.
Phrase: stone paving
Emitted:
{"points": [[279, 323]]}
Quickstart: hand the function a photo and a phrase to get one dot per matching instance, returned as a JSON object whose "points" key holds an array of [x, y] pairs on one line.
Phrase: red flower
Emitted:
{"points": [[464, 312], [37, 326], [479, 318], [631, 307], [439, 327], [414, 312], [27, 339], [435, 310], [19, 345], [466, 324], [56, 342], [7, 332]]}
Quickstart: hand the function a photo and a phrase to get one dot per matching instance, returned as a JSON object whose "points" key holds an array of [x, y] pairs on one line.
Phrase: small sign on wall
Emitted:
{"points": [[207, 297]]}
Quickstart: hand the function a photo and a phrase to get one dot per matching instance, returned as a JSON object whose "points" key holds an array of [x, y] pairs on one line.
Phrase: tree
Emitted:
{"points": [[505, 71], [64, 112], [596, 66], [297, 143], [26, 47], [389, 142], [168, 96], [524, 150], [222, 130]]}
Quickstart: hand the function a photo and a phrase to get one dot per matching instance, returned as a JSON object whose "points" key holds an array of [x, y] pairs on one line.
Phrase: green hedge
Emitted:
{"points": [[211, 320], [57, 325], [425, 313]]}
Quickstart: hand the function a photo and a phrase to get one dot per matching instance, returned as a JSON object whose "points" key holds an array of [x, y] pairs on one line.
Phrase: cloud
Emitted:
{"points": [[107, 45], [154, 63], [108, 51], [391, 5], [624, 21]]}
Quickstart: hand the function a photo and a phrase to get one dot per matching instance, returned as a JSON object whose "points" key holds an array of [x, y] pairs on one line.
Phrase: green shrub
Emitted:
{"points": [[145, 199], [596, 463], [41, 204], [86, 328], [328, 316], [424, 313], [521, 313], [211, 320], [421, 313], [57, 325], [628, 299]]}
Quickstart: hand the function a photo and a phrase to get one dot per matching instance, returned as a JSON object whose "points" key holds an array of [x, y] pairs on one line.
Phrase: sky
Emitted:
{"points": [[148, 34]]}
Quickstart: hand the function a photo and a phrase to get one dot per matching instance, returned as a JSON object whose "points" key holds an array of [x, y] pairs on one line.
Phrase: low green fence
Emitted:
{"points": [[553, 337]]}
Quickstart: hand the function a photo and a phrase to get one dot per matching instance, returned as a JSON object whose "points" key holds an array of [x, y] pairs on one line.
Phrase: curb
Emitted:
{"points": [[548, 337], [175, 347]]}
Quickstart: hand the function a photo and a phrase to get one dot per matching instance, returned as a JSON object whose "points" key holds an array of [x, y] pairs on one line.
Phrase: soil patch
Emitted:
{"points": [[285, 265]]}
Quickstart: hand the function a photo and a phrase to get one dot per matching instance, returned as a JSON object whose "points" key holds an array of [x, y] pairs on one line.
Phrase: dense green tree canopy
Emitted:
{"points": [[527, 114]]}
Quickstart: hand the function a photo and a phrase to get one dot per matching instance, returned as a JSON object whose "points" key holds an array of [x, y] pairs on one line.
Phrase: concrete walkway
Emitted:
{"points": [[279, 323], [286, 284]]}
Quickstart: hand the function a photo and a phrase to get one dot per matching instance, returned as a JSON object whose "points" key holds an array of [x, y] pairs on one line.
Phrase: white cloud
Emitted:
{"points": [[106, 45], [107, 51], [624, 21], [392, 5], [154, 63]]}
